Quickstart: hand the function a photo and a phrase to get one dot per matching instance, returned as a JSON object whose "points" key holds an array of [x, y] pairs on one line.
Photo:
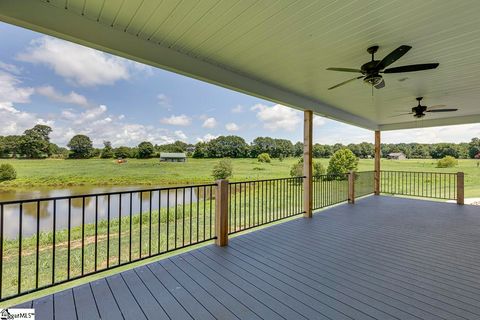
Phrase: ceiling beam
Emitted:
{"points": [[45, 18]]}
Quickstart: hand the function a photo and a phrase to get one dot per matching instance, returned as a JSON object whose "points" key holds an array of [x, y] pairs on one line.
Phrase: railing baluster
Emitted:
{"points": [[37, 255], [183, 217], [150, 221], [1, 250], [211, 209], [130, 231], [168, 219], [83, 235], [108, 231], [159, 227], [119, 229], [96, 232], [20, 230], [191, 199], [69, 231], [204, 211], [140, 226], [54, 242]]}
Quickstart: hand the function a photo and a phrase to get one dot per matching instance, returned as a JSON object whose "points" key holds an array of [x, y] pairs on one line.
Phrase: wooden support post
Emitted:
{"points": [[351, 187], [378, 154], [307, 163], [460, 188], [221, 213]]}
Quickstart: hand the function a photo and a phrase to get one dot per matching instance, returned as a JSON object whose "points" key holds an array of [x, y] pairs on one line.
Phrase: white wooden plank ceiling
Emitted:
{"points": [[279, 50]]}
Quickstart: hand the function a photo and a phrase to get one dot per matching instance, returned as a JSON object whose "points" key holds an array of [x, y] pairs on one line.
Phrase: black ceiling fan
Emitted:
{"points": [[419, 111], [371, 70]]}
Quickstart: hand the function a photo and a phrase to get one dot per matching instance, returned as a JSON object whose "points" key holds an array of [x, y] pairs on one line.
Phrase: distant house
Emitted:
{"points": [[173, 157], [396, 156], [190, 149]]}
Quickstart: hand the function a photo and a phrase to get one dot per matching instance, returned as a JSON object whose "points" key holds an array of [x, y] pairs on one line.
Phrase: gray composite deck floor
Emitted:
{"points": [[382, 258]]}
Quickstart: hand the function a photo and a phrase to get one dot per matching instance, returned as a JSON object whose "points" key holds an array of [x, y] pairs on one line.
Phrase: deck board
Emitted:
{"points": [[382, 258]]}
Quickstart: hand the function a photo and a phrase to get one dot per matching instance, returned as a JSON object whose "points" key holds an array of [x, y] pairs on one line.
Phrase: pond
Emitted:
{"points": [[78, 210]]}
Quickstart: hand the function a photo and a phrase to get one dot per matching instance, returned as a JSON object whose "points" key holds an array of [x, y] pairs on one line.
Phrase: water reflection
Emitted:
{"points": [[88, 208]]}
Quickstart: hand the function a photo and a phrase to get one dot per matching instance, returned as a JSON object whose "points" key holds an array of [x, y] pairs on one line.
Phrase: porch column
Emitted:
{"points": [[221, 213], [378, 154], [307, 163]]}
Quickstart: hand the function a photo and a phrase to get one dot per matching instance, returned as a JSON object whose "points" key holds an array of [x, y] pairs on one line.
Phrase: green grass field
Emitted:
{"points": [[98, 172]]}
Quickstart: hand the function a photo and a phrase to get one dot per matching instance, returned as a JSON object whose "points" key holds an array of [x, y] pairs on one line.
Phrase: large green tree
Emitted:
{"points": [[145, 150], [107, 151], [35, 142], [81, 147], [227, 147], [474, 147]]}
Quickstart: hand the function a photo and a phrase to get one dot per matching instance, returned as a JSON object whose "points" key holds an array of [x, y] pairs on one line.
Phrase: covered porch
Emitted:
{"points": [[382, 258]]}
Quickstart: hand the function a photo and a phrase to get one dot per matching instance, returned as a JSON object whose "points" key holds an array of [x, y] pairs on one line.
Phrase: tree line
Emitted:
{"points": [[35, 143]]}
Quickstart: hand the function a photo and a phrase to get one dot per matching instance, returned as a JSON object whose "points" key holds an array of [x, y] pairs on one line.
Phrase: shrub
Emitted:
{"points": [[342, 162], [297, 169], [7, 172], [447, 162], [264, 158], [223, 169]]}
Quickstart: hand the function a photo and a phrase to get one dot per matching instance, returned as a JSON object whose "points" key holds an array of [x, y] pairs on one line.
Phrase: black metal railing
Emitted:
{"points": [[48, 241], [364, 183], [255, 203], [437, 185], [329, 190]]}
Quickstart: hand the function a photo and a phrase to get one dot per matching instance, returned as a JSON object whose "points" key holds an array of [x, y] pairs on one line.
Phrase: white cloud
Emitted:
{"points": [[77, 64], [238, 109], [181, 135], [232, 126], [11, 91], [14, 121], [181, 120], [206, 138], [164, 101], [72, 97], [9, 68], [278, 117], [209, 123]]}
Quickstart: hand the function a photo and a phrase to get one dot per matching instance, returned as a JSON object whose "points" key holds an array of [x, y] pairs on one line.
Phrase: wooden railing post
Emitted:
{"points": [[378, 154], [307, 164], [351, 187], [221, 213], [460, 188]]}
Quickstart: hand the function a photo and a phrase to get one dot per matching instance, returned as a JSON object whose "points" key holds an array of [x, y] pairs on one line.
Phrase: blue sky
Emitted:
{"points": [[77, 90]]}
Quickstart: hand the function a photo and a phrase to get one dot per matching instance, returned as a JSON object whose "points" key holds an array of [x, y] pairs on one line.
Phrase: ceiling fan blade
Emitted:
{"points": [[436, 106], [401, 114], [345, 70], [344, 82], [392, 57], [442, 110], [411, 68], [380, 85]]}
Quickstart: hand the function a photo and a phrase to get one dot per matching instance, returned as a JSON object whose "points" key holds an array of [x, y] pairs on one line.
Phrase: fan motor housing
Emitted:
{"points": [[419, 111], [370, 67]]}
